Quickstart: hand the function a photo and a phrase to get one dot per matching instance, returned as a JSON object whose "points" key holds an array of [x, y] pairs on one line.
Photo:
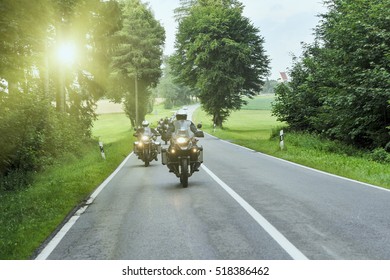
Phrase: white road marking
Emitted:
{"points": [[306, 167], [268, 227], [45, 253]]}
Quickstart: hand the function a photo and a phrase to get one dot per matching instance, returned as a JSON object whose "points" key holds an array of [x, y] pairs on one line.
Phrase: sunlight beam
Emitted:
{"points": [[66, 53]]}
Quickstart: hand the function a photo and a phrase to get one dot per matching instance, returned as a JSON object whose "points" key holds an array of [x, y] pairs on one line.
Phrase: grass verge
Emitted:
{"points": [[29, 216], [253, 128]]}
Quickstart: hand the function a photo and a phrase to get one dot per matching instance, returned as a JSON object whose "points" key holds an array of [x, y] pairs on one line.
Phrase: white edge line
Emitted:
{"points": [[269, 228], [45, 253], [306, 167]]}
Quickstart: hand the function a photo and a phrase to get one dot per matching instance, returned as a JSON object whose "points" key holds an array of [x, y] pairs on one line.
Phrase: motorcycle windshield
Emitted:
{"points": [[182, 129], [147, 132]]}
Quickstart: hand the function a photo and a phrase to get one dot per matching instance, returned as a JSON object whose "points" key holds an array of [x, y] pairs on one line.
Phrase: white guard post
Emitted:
{"points": [[281, 144], [102, 150]]}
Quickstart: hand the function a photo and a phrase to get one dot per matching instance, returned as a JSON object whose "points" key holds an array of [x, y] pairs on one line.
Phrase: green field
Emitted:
{"points": [[253, 126]]}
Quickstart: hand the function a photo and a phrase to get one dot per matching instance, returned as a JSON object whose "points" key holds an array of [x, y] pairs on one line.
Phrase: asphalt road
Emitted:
{"points": [[240, 205]]}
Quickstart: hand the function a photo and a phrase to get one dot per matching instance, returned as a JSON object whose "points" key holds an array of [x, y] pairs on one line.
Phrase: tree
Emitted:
{"points": [[31, 131], [137, 58], [184, 8], [88, 26], [298, 102], [220, 53], [344, 88], [269, 86], [356, 36], [174, 94]]}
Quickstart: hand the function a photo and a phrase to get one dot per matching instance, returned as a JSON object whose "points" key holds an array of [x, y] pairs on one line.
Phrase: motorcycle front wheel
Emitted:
{"points": [[184, 173], [146, 157]]}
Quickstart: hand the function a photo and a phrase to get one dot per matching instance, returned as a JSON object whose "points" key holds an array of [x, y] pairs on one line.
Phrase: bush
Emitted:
{"points": [[380, 155], [32, 134], [15, 180]]}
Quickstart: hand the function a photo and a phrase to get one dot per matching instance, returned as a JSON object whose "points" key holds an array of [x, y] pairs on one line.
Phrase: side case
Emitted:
{"points": [[164, 156]]}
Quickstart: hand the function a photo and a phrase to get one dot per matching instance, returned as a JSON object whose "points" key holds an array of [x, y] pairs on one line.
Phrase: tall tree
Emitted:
{"points": [[30, 130], [343, 77], [87, 26], [137, 59], [184, 9], [220, 53]]}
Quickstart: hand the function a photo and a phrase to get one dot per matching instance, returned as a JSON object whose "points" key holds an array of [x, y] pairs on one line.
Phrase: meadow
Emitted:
{"points": [[254, 127]]}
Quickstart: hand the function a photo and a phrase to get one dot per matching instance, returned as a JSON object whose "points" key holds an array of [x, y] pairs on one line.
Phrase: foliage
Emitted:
{"points": [[47, 105], [184, 8], [219, 53], [33, 134], [269, 86], [137, 58], [339, 86], [29, 216], [380, 155], [175, 94]]}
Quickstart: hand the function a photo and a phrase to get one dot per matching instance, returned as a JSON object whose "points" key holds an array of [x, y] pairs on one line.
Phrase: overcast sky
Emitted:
{"points": [[284, 24]]}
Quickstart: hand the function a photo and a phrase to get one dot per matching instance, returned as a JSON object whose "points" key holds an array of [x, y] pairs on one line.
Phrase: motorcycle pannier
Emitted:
{"points": [[164, 156]]}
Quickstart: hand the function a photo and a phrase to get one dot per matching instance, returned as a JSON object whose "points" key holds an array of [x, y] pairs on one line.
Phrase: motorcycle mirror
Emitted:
{"points": [[199, 125], [199, 133]]}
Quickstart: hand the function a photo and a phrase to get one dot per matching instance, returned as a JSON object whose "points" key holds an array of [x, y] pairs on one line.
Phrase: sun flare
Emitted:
{"points": [[67, 53]]}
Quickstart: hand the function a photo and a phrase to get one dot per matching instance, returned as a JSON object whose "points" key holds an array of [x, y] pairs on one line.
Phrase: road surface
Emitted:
{"points": [[240, 205]]}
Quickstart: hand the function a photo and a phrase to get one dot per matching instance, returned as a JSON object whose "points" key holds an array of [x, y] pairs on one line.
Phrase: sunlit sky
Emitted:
{"points": [[284, 24]]}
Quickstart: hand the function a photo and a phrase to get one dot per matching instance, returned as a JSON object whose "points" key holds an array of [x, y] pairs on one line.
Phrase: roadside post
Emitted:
{"points": [[102, 150], [281, 144]]}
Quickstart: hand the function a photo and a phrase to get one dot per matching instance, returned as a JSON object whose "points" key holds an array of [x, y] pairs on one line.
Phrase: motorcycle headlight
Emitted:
{"points": [[182, 140], [145, 138]]}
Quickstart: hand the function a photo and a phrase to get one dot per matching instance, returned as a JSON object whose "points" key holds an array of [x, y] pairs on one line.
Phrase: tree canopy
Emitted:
{"points": [[56, 58], [340, 85], [219, 53], [137, 58]]}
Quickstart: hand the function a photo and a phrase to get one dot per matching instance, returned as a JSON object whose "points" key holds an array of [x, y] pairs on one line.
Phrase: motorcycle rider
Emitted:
{"points": [[145, 129], [181, 116]]}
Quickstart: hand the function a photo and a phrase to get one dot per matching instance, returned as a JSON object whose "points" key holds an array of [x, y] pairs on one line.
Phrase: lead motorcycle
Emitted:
{"points": [[184, 156], [146, 148]]}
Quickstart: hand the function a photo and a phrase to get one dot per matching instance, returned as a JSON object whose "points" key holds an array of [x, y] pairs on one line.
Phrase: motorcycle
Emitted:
{"points": [[162, 128], [184, 156], [146, 148]]}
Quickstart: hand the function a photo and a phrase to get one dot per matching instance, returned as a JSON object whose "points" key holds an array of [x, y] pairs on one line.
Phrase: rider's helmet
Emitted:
{"points": [[181, 115], [145, 123]]}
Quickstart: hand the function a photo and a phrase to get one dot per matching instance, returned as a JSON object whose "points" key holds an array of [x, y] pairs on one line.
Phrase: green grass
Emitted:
{"points": [[253, 129], [261, 102], [110, 128], [29, 216], [243, 125]]}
